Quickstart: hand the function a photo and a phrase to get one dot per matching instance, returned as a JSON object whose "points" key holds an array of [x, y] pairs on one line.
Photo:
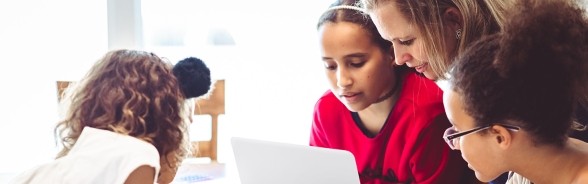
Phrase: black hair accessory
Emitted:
{"points": [[193, 76]]}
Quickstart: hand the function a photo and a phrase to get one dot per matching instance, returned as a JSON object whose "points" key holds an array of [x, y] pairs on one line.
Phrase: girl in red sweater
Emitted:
{"points": [[388, 116]]}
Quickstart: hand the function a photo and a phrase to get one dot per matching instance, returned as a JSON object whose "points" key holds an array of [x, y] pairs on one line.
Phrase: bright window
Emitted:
{"points": [[41, 42], [273, 70], [266, 50]]}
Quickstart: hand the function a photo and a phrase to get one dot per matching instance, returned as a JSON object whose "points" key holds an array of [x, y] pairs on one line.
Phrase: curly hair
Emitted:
{"points": [[532, 74], [133, 93]]}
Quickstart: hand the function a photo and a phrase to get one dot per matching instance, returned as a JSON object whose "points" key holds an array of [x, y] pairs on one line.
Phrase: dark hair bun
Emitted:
{"points": [[193, 76]]}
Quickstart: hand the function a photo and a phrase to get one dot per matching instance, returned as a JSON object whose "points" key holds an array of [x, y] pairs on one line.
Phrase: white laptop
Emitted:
{"points": [[267, 162]]}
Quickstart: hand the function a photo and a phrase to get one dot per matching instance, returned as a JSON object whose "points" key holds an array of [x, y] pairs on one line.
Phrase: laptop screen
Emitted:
{"points": [[267, 162]]}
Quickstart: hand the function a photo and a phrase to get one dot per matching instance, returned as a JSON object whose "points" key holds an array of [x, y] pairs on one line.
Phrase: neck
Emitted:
{"points": [[383, 105], [550, 164], [374, 117], [389, 94]]}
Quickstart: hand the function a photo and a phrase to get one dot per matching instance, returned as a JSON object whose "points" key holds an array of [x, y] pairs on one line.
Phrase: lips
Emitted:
{"points": [[421, 68], [349, 97]]}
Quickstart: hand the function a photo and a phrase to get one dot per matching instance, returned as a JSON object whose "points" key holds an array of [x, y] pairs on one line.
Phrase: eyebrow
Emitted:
{"points": [[354, 55]]}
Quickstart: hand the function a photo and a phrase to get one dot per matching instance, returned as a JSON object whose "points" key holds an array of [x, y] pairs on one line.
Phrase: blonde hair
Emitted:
{"points": [[133, 93], [480, 17]]}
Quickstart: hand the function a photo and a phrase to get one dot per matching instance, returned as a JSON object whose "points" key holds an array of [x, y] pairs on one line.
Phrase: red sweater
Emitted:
{"points": [[408, 149]]}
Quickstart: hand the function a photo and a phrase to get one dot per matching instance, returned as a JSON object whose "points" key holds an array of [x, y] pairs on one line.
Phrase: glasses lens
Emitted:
{"points": [[452, 142]]}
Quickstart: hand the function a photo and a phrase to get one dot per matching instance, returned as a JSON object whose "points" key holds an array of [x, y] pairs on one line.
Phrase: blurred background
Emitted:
{"points": [[265, 50]]}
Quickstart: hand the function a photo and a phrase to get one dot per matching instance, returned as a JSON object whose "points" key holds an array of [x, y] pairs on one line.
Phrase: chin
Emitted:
{"points": [[354, 107], [431, 76], [484, 178]]}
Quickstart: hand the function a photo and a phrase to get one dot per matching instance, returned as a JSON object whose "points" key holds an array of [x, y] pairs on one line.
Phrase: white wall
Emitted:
{"points": [[273, 74], [41, 42]]}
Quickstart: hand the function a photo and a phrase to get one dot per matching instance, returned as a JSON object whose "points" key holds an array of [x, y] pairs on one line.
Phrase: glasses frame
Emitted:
{"points": [[450, 137]]}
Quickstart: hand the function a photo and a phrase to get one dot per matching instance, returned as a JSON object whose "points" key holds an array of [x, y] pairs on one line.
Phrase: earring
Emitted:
{"points": [[458, 33]]}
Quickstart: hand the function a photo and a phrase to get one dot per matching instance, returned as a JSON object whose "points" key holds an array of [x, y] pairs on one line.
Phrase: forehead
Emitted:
{"points": [[454, 108], [389, 20], [343, 36]]}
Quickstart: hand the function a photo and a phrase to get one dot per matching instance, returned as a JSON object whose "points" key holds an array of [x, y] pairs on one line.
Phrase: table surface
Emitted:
{"points": [[206, 173]]}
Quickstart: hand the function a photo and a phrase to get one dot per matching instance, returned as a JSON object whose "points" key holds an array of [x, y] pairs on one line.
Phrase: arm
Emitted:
{"points": [[317, 135], [143, 174], [168, 169]]}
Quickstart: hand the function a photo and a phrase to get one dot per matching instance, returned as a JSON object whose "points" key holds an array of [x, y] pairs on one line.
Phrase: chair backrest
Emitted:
{"points": [[213, 105], [61, 86]]}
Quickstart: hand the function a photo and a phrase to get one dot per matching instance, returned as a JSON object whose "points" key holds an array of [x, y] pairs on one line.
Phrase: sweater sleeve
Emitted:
{"points": [[433, 162], [317, 134]]}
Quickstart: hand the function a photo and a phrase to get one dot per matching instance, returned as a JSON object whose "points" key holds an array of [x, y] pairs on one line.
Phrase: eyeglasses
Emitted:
{"points": [[451, 135]]}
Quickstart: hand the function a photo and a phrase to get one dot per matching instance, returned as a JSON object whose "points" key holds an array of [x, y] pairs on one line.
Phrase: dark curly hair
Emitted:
{"points": [[532, 74], [194, 76]]}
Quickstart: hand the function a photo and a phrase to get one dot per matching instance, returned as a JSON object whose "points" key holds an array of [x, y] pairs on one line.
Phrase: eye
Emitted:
{"points": [[451, 131], [357, 64], [330, 67], [406, 42], [357, 61]]}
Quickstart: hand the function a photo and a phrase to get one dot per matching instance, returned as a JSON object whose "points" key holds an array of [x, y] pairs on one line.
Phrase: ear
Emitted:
{"points": [[453, 18], [502, 137]]}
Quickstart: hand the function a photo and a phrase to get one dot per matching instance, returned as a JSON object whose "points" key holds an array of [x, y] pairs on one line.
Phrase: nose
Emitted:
{"points": [[343, 78], [401, 56]]}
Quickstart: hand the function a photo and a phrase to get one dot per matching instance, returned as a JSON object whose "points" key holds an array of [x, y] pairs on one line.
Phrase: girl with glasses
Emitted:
{"points": [[429, 34], [513, 96]]}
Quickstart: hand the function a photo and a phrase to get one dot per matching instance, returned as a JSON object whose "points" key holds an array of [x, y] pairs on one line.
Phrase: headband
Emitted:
{"points": [[349, 7]]}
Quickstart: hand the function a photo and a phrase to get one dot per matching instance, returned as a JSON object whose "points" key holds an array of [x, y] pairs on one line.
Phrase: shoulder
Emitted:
{"points": [[126, 145], [329, 113], [421, 90], [139, 152], [128, 153], [327, 97], [328, 103], [141, 160], [421, 95], [95, 152], [420, 103]]}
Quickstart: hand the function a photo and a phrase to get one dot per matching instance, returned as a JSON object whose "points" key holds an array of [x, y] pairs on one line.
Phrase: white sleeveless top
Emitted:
{"points": [[99, 156]]}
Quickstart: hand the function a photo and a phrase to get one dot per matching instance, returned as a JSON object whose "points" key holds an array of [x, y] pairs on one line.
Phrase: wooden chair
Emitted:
{"points": [[61, 86], [214, 106]]}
